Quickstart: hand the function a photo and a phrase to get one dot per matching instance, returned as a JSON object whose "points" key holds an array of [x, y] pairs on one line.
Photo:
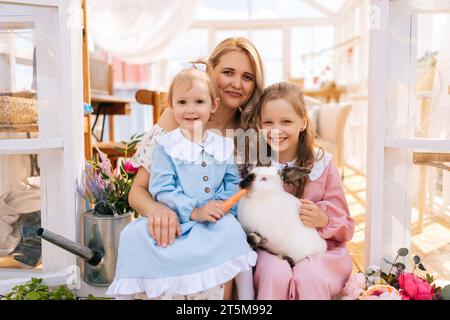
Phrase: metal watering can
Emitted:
{"points": [[101, 235]]}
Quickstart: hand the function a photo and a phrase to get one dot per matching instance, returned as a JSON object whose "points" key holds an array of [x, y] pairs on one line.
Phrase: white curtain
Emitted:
{"points": [[138, 31]]}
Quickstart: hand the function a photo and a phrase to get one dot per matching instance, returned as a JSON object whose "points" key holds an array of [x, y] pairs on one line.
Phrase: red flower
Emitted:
{"points": [[128, 167], [414, 288]]}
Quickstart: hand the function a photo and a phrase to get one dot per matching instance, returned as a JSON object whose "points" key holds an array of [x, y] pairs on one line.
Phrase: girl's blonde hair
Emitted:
{"points": [[187, 77], [306, 154], [244, 45]]}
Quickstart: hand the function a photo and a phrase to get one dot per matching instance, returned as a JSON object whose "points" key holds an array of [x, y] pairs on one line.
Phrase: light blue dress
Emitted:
{"points": [[185, 176]]}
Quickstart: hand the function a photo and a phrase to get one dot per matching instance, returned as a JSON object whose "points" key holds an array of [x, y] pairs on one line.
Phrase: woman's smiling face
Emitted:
{"points": [[235, 78], [281, 126]]}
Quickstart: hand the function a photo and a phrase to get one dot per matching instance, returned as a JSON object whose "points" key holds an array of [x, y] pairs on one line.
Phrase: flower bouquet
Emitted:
{"points": [[104, 189], [396, 284]]}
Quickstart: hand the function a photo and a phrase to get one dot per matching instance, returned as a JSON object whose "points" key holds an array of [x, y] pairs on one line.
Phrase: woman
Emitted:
{"points": [[238, 74]]}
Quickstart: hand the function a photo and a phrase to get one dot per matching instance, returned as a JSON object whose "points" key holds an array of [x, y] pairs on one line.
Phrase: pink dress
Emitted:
{"points": [[321, 276]]}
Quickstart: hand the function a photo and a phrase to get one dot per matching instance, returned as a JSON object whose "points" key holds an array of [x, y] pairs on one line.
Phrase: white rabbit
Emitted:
{"points": [[271, 218]]}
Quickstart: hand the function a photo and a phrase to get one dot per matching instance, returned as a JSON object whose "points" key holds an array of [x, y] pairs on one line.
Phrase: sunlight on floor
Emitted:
{"points": [[432, 244]]}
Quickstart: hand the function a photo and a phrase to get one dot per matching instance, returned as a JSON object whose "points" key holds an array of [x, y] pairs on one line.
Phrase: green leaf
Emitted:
{"points": [[104, 176], [33, 296], [416, 259], [387, 261], [421, 267], [402, 252], [400, 265], [389, 278], [446, 292]]}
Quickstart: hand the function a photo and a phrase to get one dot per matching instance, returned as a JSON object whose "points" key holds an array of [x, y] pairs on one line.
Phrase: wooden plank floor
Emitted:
{"points": [[432, 244]]}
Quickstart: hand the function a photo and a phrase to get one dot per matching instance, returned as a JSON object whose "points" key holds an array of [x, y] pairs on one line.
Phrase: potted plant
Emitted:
{"points": [[105, 191]]}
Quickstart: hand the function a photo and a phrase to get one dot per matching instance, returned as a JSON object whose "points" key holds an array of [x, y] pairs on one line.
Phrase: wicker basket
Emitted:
{"points": [[18, 111]]}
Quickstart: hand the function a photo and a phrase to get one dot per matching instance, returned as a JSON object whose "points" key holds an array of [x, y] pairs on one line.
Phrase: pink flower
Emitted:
{"points": [[381, 292], [354, 287], [414, 288], [128, 167]]}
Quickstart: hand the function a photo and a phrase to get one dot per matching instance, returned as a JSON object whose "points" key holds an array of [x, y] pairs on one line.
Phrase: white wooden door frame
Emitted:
{"points": [[392, 65], [60, 142]]}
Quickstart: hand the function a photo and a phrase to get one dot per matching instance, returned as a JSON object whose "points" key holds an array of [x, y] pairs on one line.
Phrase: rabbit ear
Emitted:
{"points": [[247, 181], [291, 174]]}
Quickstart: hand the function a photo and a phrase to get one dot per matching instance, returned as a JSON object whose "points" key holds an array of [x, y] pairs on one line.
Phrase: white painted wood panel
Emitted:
{"points": [[60, 142], [29, 146]]}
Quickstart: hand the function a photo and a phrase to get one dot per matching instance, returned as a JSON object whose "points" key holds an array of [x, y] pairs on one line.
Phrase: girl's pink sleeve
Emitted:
{"points": [[340, 224]]}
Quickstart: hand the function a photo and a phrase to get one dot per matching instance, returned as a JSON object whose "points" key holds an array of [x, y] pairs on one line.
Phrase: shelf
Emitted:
{"points": [[418, 143], [19, 128], [50, 3], [29, 146]]}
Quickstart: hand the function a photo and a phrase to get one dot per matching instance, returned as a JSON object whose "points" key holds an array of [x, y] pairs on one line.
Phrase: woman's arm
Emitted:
{"points": [[167, 120], [163, 224]]}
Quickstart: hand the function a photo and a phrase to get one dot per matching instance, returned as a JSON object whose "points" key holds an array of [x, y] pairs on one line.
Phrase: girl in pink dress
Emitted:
{"points": [[282, 118]]}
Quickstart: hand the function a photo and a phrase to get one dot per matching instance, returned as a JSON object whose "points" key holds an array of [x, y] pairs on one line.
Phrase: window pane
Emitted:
{"points": [[222, 35], [222, 10], [431, 106], [301, 41], [18, 89], [269, 43], [255, 9], [273, 70], [20, 248], [270, 46], [192, 44], [323, 38], [311, 54], [282, 9], [430, 217], [333, 5]]}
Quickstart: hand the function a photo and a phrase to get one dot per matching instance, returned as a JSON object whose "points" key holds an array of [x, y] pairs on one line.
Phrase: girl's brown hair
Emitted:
{"points": [[244, 45], [306, 154]]}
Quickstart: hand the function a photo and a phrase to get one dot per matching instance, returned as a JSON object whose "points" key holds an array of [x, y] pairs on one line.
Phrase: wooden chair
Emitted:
{"points": [[332, 119], [157, 99], [329, 92], [105, 103]]}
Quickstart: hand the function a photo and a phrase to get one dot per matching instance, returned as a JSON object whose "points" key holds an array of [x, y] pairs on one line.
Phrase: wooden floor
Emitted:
{"points": [[432, 244]]}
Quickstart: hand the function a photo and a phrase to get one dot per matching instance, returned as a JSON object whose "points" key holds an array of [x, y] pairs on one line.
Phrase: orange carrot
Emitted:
{"points": [[231, 201]]}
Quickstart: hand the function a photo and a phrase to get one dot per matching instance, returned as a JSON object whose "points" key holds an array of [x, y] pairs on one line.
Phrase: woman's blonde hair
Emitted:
{"points": [[244, 45], [306, 153], [188, 76]]}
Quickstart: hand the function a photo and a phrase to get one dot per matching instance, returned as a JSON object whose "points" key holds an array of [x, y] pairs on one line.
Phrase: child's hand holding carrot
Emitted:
{"points": [[216, 209], [212, 211], [230, 202]]}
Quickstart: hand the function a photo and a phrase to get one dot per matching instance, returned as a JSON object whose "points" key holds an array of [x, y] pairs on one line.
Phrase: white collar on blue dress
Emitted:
{"points": [[177, 146], [317, 169]]}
